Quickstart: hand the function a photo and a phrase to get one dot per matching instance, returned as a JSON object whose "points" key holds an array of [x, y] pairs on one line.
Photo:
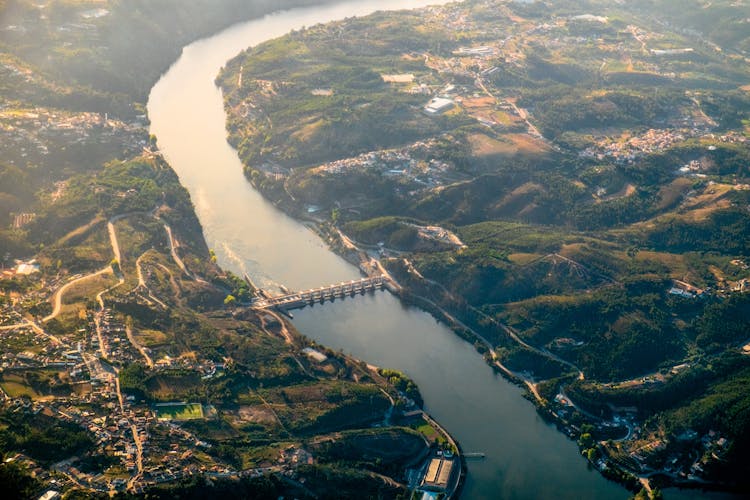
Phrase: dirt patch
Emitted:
{"points": [[60, 188], [256, 414], [479, 102], [701, 214], [673, 192], [626, 191], [307, 131], [483, 145], [505, 118], [173, 387], [522, 259], [400, 78], [527, 144], [700, 207], [675, 262], [572, 250], [151, 338]]}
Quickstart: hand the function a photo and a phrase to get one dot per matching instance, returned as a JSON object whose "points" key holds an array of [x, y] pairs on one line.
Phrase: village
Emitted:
{"points": [[411, 167], [74, 379], [31, 136]]}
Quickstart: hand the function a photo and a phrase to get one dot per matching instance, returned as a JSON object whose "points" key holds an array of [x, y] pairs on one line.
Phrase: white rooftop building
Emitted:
{"points": [[438, 105]]}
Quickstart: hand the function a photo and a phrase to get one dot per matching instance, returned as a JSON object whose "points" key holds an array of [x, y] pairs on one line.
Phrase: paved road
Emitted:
{"points": [[57, 298]]}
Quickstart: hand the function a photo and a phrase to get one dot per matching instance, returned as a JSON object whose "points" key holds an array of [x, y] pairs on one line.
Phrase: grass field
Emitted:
{"points": [[151, 338], [16, 390], [88, 288], [179, 411], [483, 145], [430, 433], [17, 384]]}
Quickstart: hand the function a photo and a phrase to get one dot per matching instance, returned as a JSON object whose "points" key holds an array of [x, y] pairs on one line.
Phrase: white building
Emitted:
{"points": [[438, 106]]}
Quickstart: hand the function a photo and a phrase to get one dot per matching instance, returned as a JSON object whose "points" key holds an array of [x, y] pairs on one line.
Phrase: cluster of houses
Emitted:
{"points": [[33, 133], [409, 165]]}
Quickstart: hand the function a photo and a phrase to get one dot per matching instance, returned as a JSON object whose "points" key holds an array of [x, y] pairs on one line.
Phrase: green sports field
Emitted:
{"points": [[179, 411]]}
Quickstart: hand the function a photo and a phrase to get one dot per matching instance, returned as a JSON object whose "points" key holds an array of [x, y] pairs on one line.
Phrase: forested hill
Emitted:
{"points": [[723, 22], [570, 178], [115, 50]]}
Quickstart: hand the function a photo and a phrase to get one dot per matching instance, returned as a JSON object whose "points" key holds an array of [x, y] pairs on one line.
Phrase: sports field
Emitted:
{"points": [[179, 411]]}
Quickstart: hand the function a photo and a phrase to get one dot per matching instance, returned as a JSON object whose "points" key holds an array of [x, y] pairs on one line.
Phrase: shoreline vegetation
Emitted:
{"points": [[358, 257], [558, 212]]}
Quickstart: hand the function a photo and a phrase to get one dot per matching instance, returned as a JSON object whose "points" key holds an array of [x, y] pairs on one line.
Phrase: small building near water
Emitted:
{"points": [[315, 355], [438, 475]]}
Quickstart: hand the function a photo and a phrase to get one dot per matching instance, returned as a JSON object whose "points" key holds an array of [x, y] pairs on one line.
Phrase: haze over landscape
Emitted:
{"points": [[380, 249]]}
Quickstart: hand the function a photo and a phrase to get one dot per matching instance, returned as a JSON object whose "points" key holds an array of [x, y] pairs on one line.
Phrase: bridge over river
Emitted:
{"points": [[298, 300]]}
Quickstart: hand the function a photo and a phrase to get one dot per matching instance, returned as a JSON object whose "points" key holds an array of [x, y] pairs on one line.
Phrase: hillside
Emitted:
{"points": [[131, 364], [593, 162]]}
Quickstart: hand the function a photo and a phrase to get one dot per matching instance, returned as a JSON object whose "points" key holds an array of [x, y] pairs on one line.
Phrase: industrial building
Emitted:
{"points": [[438, 106], [438, 474]]}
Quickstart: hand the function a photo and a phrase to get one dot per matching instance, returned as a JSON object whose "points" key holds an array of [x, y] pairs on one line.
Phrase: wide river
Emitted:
{"points": [[526, 458]]}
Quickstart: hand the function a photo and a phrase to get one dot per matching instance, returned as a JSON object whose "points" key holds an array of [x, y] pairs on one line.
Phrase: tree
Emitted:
{"points": [[230, 300], [586, 440], [641, 495], [17, 483]]}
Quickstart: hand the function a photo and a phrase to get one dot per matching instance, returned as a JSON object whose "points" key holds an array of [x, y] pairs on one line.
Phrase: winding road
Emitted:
{"points": [[57, 297], [142, 282], [114, 243], [139, 347], [509, 331]]}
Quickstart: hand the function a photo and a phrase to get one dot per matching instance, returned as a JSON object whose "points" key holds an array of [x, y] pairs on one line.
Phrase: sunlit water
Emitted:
{"points": [[526, 458]]}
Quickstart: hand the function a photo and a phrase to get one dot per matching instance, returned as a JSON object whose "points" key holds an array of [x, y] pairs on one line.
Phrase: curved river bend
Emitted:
{"points": [[526, 458]]}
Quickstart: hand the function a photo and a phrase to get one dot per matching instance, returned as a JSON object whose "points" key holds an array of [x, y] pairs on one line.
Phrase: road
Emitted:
{"points": [[270, 408], [139, 347], [575, 264], [173, 250], [530, 384], [57, 297], [139, 271], [93, 364], [284, 330], [134, 430], [113, 238], [142, 282], [14, 326], [532, 130], [173, 283], [511, 333], [33, 326]]}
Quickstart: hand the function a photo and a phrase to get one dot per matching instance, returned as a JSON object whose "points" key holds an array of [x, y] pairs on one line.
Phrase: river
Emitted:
{"points": [[526, 458]]}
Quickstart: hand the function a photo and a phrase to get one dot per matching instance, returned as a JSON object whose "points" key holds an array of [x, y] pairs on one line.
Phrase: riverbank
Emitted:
{"points": [[548, 253], [348, 249], [481, 409], [607, 467]]}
